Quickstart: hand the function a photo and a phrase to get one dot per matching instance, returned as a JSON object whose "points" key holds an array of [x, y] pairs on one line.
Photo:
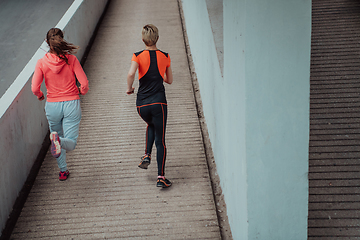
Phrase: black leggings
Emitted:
{"points": [[155, 116]]}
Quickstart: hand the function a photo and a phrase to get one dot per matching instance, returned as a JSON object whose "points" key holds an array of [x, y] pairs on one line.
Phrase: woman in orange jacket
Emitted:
{"points": [[59, 67]]}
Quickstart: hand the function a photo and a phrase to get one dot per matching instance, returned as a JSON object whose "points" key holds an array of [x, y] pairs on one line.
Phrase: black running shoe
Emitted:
{"points": [[145, 162], [164, 183]]}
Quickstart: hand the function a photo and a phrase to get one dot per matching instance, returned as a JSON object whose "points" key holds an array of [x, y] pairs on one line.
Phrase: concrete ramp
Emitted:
{"points": [[107, 196]]}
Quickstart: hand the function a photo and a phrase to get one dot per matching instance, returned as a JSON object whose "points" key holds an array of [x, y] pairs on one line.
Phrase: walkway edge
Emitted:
{"points": [[220, 204]]}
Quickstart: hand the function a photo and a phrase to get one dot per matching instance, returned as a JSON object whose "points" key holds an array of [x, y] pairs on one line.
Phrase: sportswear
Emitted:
{"points": [[59, 78], [151, 100], [152, 68]]}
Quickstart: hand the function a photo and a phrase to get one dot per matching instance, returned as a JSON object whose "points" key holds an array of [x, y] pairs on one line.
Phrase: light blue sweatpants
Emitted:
{"points": [[64, 118]]}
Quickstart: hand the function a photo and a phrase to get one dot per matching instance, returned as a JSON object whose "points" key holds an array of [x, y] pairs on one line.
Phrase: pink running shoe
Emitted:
{"points": [[64, 175], [55, 144]]}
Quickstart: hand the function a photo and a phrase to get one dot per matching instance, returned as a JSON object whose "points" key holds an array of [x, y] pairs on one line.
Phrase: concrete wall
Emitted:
{"points": [[22, 30], [23, 125], [257, 114]]}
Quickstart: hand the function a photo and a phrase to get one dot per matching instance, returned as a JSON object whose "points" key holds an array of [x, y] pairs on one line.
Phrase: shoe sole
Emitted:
{"points": [[163, 184], [144, 165], [55, 144]]}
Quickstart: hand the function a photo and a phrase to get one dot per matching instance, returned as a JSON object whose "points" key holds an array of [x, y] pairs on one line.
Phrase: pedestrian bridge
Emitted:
{"points": [[107, 195]]}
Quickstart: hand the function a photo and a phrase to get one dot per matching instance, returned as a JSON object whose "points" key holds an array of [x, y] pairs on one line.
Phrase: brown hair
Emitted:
{"points": [[57, 44], [150, 34]]}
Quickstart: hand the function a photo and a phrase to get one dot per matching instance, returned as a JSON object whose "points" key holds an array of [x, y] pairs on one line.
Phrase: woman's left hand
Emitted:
{"points": [[41, 98]]}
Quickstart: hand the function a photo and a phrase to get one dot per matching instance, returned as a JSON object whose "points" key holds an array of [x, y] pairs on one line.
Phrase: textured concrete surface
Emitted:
{"points": [[107, 195], [334, 198]]}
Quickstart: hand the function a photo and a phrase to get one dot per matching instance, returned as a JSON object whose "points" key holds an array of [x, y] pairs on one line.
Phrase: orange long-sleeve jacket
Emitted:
{"points": [[59, 78]]}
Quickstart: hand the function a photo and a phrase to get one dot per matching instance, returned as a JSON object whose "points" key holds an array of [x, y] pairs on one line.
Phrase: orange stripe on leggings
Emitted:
{"points": [[163, 141], [151, 104]]}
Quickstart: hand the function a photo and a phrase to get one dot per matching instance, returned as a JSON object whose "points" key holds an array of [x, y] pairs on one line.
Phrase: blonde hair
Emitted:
{"points": [[150, 34]]}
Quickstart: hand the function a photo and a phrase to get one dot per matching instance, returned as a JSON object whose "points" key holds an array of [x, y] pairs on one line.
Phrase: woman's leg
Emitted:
{"points": [[64, 118], [145, 114], [159, 121], [54, 115], [70, 124]]}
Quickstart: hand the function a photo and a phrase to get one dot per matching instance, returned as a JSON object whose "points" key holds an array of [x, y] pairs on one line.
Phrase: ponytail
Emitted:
{"points": [[57, 44]]}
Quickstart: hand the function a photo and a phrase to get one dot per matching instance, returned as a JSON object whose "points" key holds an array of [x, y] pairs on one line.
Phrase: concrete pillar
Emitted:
{"points": [[258, 113]]}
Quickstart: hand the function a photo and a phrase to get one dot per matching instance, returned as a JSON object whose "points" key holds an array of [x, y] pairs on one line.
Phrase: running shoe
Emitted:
{"points": [[164, 183], [55, 144], [145, 162], [64, 175]]}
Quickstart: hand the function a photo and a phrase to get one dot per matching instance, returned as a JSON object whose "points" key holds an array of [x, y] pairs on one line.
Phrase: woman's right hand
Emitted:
{"points": [[130, 91]]}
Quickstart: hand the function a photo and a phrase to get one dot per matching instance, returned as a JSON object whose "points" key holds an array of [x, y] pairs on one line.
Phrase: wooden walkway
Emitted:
{"points": [[334, 173], [107, 196]]}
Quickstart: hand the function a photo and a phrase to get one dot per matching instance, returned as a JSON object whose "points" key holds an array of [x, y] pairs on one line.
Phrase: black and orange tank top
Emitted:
{"points": [[152, 68]]}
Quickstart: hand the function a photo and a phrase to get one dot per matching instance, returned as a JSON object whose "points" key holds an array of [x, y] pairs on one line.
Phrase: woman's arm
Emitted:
{"points": [[131, 76], [36, 82], [168, 78], [81, 76]]}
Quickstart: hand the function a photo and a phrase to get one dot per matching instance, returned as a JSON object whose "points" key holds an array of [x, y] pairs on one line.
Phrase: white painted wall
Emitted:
{"points": [[23, 125], [257, 114]]}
